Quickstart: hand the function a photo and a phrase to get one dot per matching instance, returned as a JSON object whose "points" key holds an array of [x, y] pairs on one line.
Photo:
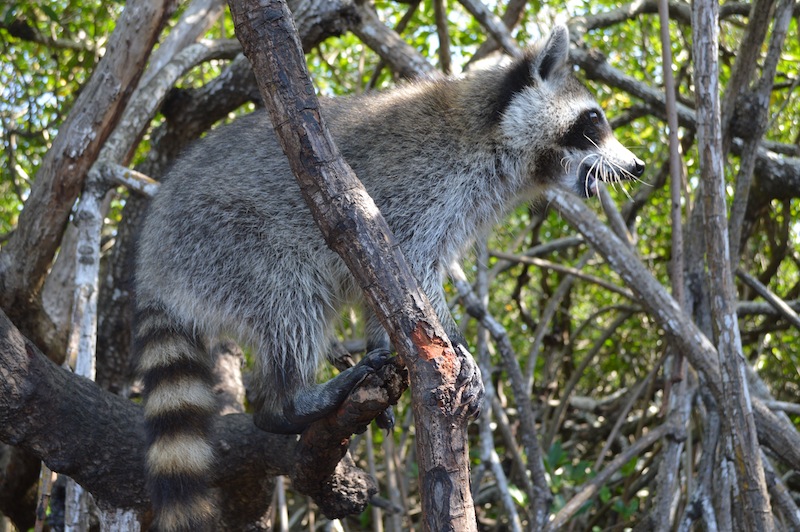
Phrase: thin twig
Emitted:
{"points": [[488, 453], [541, 263], [781, 306], [546, 316], [440, 15]]}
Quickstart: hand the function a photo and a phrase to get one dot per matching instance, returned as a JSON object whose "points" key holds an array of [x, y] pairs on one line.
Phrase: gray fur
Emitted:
{"points": [[230, 248]]}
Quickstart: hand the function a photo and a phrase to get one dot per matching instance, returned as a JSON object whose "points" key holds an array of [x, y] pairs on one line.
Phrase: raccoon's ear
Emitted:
{"points": [[554, 54], [540, 62]]}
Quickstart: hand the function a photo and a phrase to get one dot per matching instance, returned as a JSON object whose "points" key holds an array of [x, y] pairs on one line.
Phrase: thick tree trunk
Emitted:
{"points": [[97, 438], [740, 439]]}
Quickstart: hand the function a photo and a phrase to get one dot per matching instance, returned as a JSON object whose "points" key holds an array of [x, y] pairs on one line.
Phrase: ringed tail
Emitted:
{"points": [[178, 412]]}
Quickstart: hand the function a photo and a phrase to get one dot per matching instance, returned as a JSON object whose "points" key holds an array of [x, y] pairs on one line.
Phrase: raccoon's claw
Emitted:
{"points": [[314, 402], [385, 420], [371, 363], [469, 383]]}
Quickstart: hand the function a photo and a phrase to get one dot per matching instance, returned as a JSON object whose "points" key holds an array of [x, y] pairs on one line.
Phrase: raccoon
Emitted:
{"points": [[229, 246]]}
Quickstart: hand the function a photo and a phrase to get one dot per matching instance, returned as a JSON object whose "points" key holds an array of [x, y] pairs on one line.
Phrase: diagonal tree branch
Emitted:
{"points": [[398, 54], [25, 259], [354, 228], [683, 332], [494, 25]]}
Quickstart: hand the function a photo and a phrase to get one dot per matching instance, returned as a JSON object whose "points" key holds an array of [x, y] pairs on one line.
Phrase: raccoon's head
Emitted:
{"points": [[550, 118]]}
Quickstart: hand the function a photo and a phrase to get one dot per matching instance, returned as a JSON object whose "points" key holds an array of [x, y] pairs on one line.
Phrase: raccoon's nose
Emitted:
{"points": [[638, 167]]}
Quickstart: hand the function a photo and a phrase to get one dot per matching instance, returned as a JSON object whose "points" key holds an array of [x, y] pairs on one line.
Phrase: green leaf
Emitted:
{"points": [[49, 11]]}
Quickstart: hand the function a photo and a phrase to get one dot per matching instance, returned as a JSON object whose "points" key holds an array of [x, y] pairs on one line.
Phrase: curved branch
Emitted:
{"points": [[511, 17], [398, 54], [97, 438], [319, 19], [25, 260]]}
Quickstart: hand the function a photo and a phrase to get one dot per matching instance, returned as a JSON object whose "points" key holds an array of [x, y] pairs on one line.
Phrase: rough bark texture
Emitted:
{"points": [[353, 227], [52, 413], [739, 429]]}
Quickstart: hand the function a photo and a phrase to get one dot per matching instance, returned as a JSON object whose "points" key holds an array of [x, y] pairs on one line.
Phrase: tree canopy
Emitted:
{"points": [[617, 392]]}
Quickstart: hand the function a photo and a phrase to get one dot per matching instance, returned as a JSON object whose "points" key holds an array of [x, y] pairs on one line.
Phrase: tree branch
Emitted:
{"points": [[354, 228], [54, 414], [398, 54], [25, 259], [683, 332], [23, 30], [590, 488], [493, 25], [781, 307], [739, 429], [756, 120], [542, 497]]}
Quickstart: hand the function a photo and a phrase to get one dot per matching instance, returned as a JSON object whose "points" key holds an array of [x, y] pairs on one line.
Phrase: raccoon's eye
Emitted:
{"points": [[594, 117]]}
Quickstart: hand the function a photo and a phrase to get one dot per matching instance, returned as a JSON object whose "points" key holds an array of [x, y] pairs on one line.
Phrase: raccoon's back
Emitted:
{"points": [[230, 214], [235, 180], [227, 219]]}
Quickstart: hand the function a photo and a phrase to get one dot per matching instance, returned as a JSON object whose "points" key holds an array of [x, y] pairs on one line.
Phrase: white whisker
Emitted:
{"points": [[593, 142], [601, 167], [628, 194]]}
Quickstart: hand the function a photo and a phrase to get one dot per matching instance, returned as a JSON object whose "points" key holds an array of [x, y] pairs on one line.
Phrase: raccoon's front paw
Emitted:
{"points": [[368, 365], [375, 359], [469, 383]]}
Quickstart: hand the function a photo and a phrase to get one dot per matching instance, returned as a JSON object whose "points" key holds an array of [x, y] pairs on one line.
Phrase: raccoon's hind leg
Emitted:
{"points": [[292, 339], [300, 405], [179, 407]]}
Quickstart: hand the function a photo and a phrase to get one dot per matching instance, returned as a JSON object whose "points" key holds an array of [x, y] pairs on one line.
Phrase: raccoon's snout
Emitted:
{"points": [[594, 170]]}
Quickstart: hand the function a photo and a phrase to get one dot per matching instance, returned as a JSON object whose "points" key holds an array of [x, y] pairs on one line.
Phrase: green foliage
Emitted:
{"points": [[39, 80], [43, 70]]}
